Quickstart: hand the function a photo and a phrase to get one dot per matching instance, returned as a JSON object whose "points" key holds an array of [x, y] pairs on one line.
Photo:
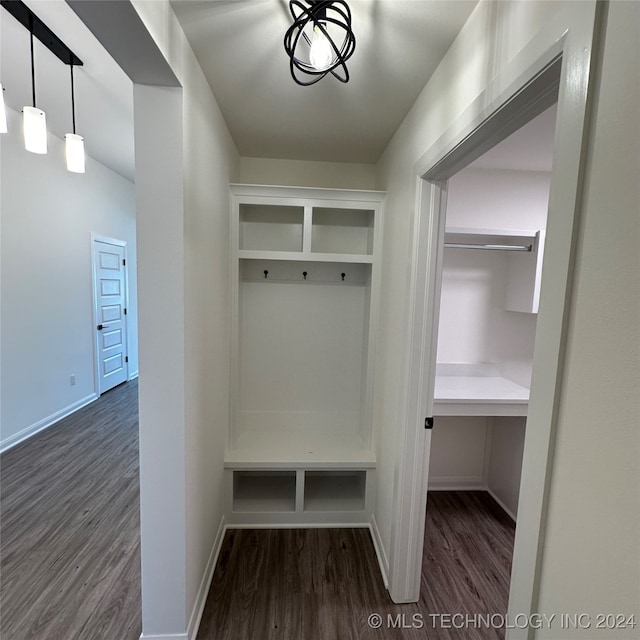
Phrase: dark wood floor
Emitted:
{"points": [[325, 583], [70, 553], [69, 527]]}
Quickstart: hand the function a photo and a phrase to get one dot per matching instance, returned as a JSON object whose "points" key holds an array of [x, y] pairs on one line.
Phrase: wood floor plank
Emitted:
{"points": [[324, 583], [70, 529], [70, 553]]}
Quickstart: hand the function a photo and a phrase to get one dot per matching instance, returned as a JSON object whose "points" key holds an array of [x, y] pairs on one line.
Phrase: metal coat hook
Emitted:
{"points": [[304, 273], [266, 273], [342, 275]]}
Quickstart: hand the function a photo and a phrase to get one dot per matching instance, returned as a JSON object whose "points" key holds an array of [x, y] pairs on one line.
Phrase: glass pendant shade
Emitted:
{"points": [[35, 130], [75, 152], [3, 113], [320, 52]]}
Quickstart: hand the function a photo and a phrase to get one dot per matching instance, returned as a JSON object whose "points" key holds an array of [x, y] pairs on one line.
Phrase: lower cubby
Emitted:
{"points": [[255, 491], [299, 497], [334, 490]]}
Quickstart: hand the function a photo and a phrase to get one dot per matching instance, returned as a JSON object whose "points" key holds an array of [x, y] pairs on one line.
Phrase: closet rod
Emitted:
{"points": [[492, 247]]}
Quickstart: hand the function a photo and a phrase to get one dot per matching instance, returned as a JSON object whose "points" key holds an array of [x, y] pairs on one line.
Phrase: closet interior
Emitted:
{"points": [[492, 267]]}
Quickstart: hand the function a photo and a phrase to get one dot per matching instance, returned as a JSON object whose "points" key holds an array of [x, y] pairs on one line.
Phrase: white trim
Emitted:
{"points": [[508, 102], [133, 376], [457, 483], [205, 584], [166, 636], [502, 505], [383, 561], [298, 525], [45, 423], [95, 237]]}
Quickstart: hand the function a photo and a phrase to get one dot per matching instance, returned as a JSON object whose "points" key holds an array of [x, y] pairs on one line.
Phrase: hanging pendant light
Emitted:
{"points": [[320, 40], [74, 144], [3, 112], [34, 119]]}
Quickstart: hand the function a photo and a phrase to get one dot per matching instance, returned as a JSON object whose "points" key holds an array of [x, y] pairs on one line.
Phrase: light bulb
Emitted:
{"points": [[35, 130], [321, 52], [74, 147], [3, 113]]}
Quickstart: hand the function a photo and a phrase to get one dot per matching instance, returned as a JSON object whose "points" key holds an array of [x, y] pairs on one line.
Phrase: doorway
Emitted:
{"points": [[110, 287], [493, 254], [545, 71]]}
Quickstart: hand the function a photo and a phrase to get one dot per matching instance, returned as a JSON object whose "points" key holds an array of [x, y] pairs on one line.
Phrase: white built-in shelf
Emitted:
{"points": [[525, 251], [334, 490], [305, 281], [245, 254], [290, 450], [259, 491], [477, 390]]}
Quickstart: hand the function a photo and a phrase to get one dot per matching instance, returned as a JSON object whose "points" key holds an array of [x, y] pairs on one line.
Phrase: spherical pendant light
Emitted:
{"points": [[320, 40]]}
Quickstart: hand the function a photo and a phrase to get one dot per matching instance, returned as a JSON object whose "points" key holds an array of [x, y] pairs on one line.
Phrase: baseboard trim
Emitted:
{"points": [[383, 561], [203, 591], [455, 483], [298, 525], [133, 376], [169, 636], [45, 423], [501, 504]]}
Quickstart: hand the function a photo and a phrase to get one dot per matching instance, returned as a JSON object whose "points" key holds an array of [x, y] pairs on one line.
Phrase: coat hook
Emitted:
{"points": [[266, 273], [304, 273], [342, 275]]}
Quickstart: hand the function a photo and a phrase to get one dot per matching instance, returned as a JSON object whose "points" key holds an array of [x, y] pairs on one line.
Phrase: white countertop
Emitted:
{"points": [[477, 390]]}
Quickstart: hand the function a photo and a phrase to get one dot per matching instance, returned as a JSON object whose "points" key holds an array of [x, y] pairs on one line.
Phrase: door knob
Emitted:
{"points": [[102, 326]]}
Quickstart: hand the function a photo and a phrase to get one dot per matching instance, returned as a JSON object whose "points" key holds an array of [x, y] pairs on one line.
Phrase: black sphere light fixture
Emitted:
{"points": [[320, 40]]}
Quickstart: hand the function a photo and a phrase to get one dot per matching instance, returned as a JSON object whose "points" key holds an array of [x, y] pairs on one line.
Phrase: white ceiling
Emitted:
{"points": [[400, 42], [104, 94], [239, 44], [530, 148]]}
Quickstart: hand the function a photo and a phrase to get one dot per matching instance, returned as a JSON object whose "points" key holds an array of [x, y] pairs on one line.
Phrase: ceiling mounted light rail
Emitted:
{"points": [[320, 40], [34, 119]]}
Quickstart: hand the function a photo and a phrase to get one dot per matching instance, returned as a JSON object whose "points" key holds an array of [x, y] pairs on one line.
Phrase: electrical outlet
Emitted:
{"points": [[72, 380]]}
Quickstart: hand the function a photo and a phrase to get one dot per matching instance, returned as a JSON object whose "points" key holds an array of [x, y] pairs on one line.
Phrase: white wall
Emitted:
{"points": [[458, 452], [505, 460], [183, 448], [304, 173], [591, 557], [48, 332], [596, 466]]}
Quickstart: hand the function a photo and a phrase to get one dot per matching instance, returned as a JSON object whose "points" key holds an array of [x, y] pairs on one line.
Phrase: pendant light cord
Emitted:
{"points": [[73, 102], [33, 69]]}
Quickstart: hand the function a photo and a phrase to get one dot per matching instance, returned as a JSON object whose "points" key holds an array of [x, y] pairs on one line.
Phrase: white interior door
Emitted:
{"points": [[109, 276]]}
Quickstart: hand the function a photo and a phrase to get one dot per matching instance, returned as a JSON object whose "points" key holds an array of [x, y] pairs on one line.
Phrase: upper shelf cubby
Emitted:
{"points": [[306, 224], [264, 227], [347, 231]]}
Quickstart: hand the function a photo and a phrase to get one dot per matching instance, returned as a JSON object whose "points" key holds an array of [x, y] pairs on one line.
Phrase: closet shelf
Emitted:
{"points": [[505, 239], [477, 391]]}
